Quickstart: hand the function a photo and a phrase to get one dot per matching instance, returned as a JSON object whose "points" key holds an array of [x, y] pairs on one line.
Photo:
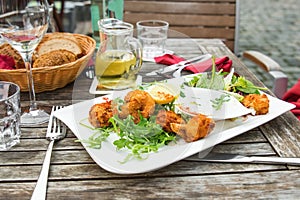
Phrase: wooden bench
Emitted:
{"points": [[193, 18]]}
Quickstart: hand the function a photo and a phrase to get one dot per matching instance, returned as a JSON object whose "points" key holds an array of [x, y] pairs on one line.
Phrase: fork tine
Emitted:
{"points": [[54, 125], [61, 128], [57, 126], [50, 121], [57, 122], [64, 127]]}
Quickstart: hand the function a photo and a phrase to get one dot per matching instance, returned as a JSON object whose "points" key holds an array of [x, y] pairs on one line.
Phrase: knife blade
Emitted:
{"points": [[177, 65], [235, 158]]}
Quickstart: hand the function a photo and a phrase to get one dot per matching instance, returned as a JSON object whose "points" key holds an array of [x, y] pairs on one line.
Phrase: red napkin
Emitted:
{"points": [[6, 62], [168, 59], [293, 96], [221, 63]]}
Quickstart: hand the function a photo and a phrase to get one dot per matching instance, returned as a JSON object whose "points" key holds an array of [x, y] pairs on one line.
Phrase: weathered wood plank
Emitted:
{"points": [[266, 185], [71, 152], [86, 171], [250, 136], [283, 134], [184, 20], [228, 186], [197, 19], [187, 7], [42, 144], [37, 157], [74, 164], [212, 1], [29, 133]]}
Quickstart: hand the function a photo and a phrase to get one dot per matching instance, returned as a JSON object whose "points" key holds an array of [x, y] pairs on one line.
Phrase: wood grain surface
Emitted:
{"points": [[74, 175]]}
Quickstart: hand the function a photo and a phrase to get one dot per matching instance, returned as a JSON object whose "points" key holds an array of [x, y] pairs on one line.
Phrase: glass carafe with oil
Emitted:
{"points": [[119, 57]]}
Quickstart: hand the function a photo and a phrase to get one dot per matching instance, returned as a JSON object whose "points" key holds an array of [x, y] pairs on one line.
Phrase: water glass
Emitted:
{"points": [[152, 35], [10, 112]]}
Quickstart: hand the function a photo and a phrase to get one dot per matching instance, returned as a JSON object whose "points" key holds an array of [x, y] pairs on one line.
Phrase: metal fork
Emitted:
{"points": [[177, 73], [56, 130]]}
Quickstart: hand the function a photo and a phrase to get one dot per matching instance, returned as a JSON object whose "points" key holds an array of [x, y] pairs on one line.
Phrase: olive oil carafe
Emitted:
{"points": [[119, 57]]}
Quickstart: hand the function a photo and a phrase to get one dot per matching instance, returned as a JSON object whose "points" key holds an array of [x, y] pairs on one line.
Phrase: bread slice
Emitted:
{"points": [[54, 58], [8, 50], [57, 44], [50, 36], [56, 41]]}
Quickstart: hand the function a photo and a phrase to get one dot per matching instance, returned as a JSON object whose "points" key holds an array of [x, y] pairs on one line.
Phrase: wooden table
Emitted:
{"points": [[74, 175]]}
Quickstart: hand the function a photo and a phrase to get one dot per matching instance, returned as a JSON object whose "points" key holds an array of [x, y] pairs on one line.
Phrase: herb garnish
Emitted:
{"points": [[99, 136], [243, 85], [141, 138], [218, 81], [213, 80], [218, 102]]}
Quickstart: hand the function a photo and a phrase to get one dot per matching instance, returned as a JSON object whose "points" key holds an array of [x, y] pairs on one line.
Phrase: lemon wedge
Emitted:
{"points": [[162, 93]]}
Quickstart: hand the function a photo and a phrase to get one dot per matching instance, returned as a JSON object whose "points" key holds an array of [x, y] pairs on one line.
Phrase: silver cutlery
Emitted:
{"points": [[177, 73], [178, 65], [235, 158], [56, 130]]}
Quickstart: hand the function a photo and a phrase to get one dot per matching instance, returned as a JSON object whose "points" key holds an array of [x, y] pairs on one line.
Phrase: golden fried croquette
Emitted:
{"points": [[259, 102], [165, 118], [137, 102], [196, 128], [99, 114]]}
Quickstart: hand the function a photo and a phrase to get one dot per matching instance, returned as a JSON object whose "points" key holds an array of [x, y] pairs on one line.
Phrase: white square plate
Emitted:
{"points": [[110, 159]]}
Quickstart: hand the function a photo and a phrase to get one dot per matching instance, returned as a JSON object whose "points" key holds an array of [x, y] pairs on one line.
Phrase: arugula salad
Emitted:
{"points": [[140, 138], [233, 84]]}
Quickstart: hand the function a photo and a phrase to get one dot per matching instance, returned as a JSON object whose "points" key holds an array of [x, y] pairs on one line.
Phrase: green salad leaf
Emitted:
{"points": [[100, 135], [243, 85], [145, 137], [218, 102], [213, 80], [229, 82]]}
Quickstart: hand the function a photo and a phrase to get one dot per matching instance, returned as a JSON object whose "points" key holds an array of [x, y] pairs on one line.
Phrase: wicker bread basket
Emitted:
{"points": [[51, 78]]}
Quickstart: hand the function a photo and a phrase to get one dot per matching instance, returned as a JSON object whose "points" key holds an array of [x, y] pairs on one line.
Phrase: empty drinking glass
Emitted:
{"points": [[152, 35], [10, 112]]}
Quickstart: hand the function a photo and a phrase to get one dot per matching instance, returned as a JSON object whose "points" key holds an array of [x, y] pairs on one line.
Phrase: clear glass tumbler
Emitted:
{"points": [[10, 112]]}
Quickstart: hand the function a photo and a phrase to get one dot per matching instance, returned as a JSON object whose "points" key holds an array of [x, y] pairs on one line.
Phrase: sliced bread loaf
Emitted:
{"points": [[54, 58], [57, 44]]}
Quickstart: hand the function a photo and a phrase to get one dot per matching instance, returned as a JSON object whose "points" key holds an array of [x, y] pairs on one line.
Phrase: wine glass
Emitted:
{"points": [[26, 23]]}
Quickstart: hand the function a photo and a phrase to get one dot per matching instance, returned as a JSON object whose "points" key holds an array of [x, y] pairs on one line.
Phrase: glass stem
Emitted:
{"points": [[27, 60]]}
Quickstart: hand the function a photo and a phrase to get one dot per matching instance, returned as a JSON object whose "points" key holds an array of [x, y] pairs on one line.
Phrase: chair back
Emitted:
{"points": [[193, 18]]}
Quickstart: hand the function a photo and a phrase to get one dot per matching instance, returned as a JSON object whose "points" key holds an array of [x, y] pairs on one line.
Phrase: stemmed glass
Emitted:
{"points": [[25, 22]]}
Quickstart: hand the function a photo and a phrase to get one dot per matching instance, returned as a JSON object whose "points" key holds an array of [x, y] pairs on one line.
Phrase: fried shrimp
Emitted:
{"points": [[165, 118], [100, 114], [259, 102], [137, 102], [196, 128]]}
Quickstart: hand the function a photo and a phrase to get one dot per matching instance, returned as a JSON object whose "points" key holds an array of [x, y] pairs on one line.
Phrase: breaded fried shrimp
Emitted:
{"points": [[196, 128], [259, 102], [137, 102], [165, 118], [100, 114]]}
